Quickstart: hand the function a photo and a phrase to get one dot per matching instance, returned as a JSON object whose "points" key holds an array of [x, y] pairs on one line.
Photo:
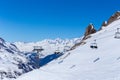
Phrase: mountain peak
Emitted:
{"points": [[90, 30], [104, 24], [114, 17], [2, 40]]}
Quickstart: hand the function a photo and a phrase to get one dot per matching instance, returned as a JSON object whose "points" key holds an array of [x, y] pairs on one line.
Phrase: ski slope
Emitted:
{"points": [[84, 63]]}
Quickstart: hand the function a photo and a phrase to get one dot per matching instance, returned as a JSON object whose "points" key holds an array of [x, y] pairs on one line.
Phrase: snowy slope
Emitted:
{"points": [[49, 46], [11, 59], [84, 63]]}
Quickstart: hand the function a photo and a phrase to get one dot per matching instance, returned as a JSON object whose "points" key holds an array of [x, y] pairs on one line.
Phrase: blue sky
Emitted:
{"points": [[34, 20]]}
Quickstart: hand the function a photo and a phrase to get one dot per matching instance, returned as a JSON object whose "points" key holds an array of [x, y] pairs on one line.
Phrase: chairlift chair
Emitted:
{"points": [[57, 52], [38, 49], [117, 34], [94, 45]]}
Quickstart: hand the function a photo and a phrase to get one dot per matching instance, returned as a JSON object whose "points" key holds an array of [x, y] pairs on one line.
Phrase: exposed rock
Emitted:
{"points": [[78, 44], [114, 17], [89, 30], [104, 24]]}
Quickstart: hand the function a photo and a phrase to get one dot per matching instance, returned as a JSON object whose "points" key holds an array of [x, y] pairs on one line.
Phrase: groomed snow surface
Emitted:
{"points": [[85, 63]]}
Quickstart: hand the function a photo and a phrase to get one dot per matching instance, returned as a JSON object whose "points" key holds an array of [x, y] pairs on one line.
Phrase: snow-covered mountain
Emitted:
{"points": [[49, 46], [97, 59], [13, 63]]}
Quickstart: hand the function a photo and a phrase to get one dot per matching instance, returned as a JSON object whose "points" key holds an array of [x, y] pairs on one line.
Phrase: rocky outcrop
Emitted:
{"points": [[104, 24], [114, 17], [89, 30], [78, 44]]}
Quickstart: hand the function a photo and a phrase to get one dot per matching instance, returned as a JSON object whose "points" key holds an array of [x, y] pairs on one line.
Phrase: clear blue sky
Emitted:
{"points": [[34, 20]]}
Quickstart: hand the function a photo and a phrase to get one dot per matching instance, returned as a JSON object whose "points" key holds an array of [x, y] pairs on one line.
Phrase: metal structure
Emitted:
{"points": [[94, 45], [57, 51], [117, 34], [38, 49]]}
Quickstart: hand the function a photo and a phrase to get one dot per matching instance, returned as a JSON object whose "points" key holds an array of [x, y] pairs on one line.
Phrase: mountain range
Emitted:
{"points": [[95, 56]]}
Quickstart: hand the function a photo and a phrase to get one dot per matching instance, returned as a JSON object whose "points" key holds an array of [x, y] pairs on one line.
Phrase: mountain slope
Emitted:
{"points": [[49, 46], [84, 63], [13, 63]]}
